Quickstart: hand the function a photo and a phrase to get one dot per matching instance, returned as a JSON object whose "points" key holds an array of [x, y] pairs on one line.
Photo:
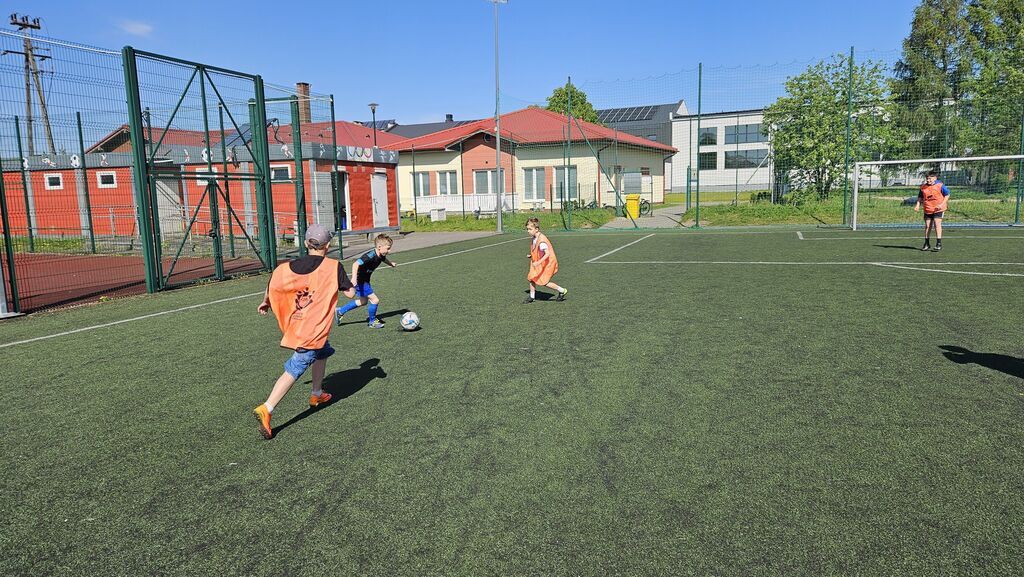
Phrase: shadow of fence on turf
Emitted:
{"points": [[341, 385], [1012, 366]]}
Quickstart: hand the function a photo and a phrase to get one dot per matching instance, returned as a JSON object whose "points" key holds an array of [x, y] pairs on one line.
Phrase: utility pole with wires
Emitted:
{"points": [[32, 78]]}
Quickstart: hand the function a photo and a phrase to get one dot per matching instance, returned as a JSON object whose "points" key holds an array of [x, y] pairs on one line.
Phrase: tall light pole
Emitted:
{"points": [[497, 117], [373, 111]]}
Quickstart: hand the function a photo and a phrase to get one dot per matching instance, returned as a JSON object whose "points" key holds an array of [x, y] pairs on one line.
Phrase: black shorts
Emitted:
{"points": [[933, 216]]}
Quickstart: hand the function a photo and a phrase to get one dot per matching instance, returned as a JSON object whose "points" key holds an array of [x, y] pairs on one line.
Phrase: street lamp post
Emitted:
{"points": [[373, 111], [497, 118]]}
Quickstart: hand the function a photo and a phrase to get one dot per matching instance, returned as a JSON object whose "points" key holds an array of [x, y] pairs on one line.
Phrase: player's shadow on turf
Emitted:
{"points": [[362, 321], [341, 385], [1012, 366], [903, 246], [541, 295]]}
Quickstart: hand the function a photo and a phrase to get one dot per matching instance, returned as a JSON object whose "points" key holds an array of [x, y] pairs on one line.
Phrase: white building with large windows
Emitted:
{"points": [[729, 148]]}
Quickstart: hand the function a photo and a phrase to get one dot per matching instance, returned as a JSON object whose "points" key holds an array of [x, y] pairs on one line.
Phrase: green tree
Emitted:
{"points": [[997, 103], [581, 107], [807, 126], [933, 77]]}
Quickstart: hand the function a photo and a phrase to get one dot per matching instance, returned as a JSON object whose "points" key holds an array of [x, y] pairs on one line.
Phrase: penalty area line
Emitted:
{"points": [[613, 251]]}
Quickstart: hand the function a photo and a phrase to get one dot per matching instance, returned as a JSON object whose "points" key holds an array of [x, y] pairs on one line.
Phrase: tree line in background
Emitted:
{"points": [[958, 90]]}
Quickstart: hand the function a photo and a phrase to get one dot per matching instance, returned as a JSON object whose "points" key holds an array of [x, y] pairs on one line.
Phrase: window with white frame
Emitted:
{"points": [[280, 172], [447, 182], [204, 182], [559, 191], [484, 181], [421, 184], [54, 181], [106, 179], [533, 182]]}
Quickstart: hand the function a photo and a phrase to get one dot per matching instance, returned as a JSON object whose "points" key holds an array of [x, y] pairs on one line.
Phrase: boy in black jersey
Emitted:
{"points": [[362, 268]]}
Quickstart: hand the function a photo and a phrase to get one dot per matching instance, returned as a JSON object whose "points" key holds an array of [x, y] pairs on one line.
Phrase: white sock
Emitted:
{"points": [[270, 408], [317, 392]]}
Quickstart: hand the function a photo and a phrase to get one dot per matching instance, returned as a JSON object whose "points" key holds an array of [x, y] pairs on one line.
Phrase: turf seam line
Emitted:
{"points": [[618, 249], [916, 237], [218, 301]]}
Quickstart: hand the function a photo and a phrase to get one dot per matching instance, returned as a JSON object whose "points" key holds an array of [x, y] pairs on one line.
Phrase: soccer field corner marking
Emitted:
{"points": [[613, 251]]}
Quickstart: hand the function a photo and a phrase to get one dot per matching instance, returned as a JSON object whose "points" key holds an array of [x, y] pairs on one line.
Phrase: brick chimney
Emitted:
{"points": [[305, 115]]}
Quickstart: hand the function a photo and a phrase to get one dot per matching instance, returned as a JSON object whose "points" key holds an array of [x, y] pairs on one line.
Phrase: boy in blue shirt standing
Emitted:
{"points": [[362, 269]]}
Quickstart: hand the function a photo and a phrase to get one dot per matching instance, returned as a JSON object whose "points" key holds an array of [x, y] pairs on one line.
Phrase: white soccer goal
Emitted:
{"points": [[984, 191]]}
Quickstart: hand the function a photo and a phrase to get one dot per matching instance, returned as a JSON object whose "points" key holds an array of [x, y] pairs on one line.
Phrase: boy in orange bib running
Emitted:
{"points": [[934, 197], [543, 262], [303, 293]]}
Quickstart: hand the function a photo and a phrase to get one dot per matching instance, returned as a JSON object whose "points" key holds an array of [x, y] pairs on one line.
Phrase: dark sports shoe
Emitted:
{"points": [[339, 318], [938, 247], [375, 324], [926, 246], [529, 300], [561, 295]]}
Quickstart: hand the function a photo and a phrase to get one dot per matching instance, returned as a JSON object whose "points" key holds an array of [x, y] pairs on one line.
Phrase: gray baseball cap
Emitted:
{"points": [[318, 235]]}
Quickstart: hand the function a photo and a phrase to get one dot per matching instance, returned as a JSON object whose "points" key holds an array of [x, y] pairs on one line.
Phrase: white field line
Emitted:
{"points": [[968, 272], [917, 237], [808, 263], [218, 301], [618, 249], [800, 235], [143, 317]]}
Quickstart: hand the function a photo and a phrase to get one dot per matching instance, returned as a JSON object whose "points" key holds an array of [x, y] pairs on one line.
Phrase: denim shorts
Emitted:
{"points": [[363, 290], [303, 358]]}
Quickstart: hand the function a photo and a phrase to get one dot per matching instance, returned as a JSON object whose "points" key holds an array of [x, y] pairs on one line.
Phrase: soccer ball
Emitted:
{"points": [[410, 321]]}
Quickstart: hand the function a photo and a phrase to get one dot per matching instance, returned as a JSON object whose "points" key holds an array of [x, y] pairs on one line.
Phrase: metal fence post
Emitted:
{"points": [[700, 81], [25, 185], [8, 247], [218, 251], [300, 178], [85, 184], [140, 169]]}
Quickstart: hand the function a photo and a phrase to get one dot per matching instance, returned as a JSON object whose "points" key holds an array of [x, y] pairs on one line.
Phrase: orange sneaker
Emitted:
{"points": [[263, 419], [317, 400]]}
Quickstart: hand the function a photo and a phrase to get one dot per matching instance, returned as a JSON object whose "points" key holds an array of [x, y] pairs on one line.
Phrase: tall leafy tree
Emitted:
{"points": [[807, 126], [997, 108], [933, 77], [581, 107]]}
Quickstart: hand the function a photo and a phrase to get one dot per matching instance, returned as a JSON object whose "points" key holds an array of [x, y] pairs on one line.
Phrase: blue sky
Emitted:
{"points": [[422, 59]]}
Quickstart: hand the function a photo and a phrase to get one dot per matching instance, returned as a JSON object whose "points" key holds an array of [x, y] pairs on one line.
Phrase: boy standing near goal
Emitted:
{"points": [[934, 197], [303, 293]]}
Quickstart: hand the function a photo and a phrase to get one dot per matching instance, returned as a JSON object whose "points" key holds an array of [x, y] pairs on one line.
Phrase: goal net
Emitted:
{"points": [[983, 191]]}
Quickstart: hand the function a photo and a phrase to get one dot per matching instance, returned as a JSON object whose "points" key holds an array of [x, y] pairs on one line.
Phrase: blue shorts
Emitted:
{"points": [[302, 359], [364, 289]]}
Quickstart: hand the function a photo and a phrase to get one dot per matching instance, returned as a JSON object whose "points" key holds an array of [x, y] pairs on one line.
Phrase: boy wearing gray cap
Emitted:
{"points": [[303, 294]]}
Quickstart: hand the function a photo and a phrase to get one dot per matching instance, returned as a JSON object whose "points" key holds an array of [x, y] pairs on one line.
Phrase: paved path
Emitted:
{"points": [[667, 217]]}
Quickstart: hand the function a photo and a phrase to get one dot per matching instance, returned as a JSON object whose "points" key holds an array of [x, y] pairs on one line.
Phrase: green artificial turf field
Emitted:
{"points": [[709, 403]]}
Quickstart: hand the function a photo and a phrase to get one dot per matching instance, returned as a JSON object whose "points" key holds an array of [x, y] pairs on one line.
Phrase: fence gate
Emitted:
{"points": [[201, 171]]}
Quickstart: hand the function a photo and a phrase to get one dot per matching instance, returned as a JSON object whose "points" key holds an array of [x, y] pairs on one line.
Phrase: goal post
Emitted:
{"points": [[984, 190]]}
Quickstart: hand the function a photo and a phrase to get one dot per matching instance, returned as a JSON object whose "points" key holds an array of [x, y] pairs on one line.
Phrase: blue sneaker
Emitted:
{"points": [[375, 324]]}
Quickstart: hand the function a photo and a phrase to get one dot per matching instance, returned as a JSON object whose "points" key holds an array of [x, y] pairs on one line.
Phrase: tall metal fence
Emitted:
{"points": [[769, 144], [127, 171]]}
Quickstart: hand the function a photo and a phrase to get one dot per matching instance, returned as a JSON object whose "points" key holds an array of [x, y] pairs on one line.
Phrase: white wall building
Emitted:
{"points": [[729, 147]]}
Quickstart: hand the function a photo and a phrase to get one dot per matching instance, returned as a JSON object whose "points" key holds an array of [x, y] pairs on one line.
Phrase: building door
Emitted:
{"points": [[379, 192]]}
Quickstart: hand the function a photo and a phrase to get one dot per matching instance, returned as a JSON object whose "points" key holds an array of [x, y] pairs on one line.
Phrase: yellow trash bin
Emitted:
{"points": [[633, 205]]}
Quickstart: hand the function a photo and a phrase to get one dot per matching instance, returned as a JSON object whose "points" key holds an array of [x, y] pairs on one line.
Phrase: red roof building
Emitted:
{"points": [[544, 162]]}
